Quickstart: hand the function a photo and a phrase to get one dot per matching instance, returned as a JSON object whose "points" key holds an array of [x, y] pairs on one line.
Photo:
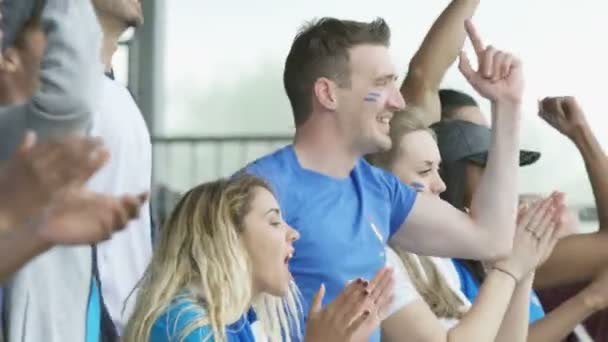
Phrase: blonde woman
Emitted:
{"points": [[444, 313], [222, 259]]}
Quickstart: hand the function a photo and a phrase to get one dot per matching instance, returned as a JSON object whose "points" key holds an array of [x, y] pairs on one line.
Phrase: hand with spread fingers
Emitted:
{"points": [[563, 113], [354, 314], [39, 172], [499, 75], [537, 233]]}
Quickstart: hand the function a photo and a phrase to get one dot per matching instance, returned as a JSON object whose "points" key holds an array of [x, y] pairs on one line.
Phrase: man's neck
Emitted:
{"points": [[112, 30], [324, 153]]}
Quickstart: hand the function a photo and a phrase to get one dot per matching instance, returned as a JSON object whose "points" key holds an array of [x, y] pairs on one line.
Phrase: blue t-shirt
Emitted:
{"points": [[172, 322], [470, 287], [344, 223]]}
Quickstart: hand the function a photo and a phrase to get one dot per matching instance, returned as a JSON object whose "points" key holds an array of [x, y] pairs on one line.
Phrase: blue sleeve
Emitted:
{"points": [[199, 334], [402, 198], [537, 311], [170, 325]]}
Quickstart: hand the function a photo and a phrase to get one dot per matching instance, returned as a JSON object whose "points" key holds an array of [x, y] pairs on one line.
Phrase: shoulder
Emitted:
{"points": [[270, 163], [177, 319], [275, 168]]}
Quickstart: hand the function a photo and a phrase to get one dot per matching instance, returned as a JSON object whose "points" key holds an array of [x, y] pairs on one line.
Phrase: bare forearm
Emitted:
{"points": [[561, 268], [436, 54], [17, 247], [494, 204], [560, 322], [515, 324], [596, 163], [443, 42], [483, 320]]}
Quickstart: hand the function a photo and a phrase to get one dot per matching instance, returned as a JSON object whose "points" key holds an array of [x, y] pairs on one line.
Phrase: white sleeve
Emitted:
{"points": [[404, 292]]}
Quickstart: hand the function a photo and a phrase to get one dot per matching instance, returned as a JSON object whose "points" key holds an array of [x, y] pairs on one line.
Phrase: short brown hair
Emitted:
{"points": [[321, 49]]}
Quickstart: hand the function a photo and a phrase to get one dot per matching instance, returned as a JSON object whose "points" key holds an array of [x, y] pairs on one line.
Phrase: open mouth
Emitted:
{"points": [[288, 257], [384, 119]]}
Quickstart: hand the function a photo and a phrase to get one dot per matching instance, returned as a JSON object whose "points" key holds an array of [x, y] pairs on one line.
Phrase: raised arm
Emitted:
{"points": [[566, 116], [561, 321], [70, 72], [433, 226], [437, 53]]}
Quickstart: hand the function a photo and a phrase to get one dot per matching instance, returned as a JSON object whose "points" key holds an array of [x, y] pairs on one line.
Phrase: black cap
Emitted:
{"points": [[458, 140]]}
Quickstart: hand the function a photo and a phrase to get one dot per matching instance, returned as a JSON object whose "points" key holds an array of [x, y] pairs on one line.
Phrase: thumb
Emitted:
{"points": [[317, 300], [464, 65], [28, 141]]}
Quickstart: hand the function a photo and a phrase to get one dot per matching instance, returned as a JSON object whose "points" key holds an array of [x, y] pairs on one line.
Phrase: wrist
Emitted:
{"points": [[510, 106], [37, 228], [503, 269], [506, 115], [581, 134]]}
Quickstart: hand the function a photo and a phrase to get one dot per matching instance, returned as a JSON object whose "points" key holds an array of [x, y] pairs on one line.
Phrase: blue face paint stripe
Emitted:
{"points": [[417, 186], [372, 96]]}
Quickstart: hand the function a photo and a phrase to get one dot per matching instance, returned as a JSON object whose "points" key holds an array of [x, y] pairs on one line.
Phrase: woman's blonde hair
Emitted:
{"points": [[200, 256], [427, 279]]}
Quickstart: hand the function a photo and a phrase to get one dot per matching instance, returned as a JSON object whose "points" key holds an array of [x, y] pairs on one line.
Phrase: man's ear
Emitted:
{"points": [[325, 91], [11, 61]]}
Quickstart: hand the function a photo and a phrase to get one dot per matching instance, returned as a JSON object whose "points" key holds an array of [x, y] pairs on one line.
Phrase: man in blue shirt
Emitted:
{"points": [[342, 87]]}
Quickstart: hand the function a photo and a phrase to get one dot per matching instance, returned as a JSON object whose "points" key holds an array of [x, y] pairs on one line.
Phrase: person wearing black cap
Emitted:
{"points": [[576, 258], [464, 150]]}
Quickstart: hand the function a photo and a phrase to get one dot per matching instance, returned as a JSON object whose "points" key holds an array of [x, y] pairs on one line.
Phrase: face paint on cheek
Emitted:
{"points": [[372, 96], [419, 187]]}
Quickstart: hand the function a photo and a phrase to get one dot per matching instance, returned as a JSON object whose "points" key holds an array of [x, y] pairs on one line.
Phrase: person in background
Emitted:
{"points": [[121, 261], [220, 273], [43, 202], [461, 170], [50, 72]]}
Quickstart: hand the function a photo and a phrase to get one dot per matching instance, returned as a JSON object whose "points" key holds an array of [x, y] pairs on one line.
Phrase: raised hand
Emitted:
{"points": [[39, 172], [536, 235], [83, 217], [562, 113], [354, 314], [499, 75]]}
